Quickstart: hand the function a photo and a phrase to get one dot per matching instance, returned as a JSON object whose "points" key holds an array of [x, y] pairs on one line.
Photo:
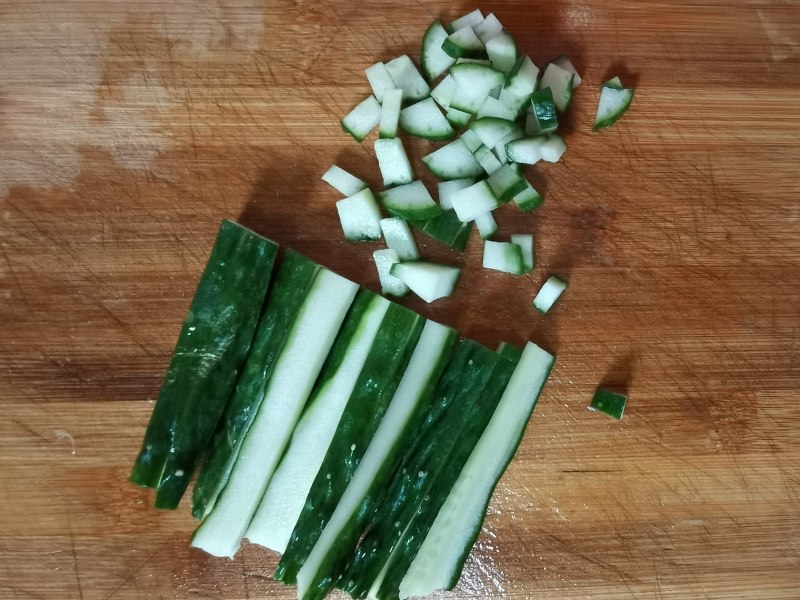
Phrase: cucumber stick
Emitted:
{"points": [[211, 349], [446, 228], [441, 557], [320, 551], [284, 396], [284, 304], [435, 61]]}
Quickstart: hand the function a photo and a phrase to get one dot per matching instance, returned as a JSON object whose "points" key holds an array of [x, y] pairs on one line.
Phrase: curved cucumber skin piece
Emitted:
{"points": [[435, 61], [376, 385], [211, 348], [464, 400], [447, 228], [625, 99], [292, 283]]}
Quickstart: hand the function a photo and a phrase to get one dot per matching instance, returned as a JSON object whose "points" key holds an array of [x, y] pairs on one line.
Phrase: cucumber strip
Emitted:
{"points": [[529, 199], [488, 28], [393, 162], [443, 92], [486, 225], [475, 81], [614, 102], [453, 161], [491, 130], [379, 79], [522, 81], [527, 151], [398, 237], [502, 51], [474, 201], [291, 482], [294, 280], [487, 160], [549, 293], [360, 217], [411, 202], [472, 141], [448, 188], [406, 77], [525, 242], [211, 349], [492, 107], [543, 117], [457, 117], [322, 554], [390, 113], [342, 181], [463, 43], [471, 19], [424, 120], [506, 183], [565, 63], [503, 256], [390, 285], [362, 119], [560, 83], [429, 281], [440, 559], [553, 148], [284, 396], [609, 403], [435, 61], [446, 228], [510, 352]]}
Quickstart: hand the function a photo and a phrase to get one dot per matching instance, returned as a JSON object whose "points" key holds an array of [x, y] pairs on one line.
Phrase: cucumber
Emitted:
{"points": [[440, 559], [525, 242], [609, 403], [398, 237], [321, 551], [560, 82], [435, 61], [393, 162], [446, 228], [282, 502], [614, 82], [284, 304], [429, 281], [510, 352], [471, 19], [486, 225], [506, 183], [342, 181], [360, 217], [565, 63], [549, 293], [474, 201], [448, 188], [488, 28], [543, 117], [529, 199], [492, 107], [424, 120], [472, 141], [390, 285], [614, 102], [362, 119], [480, 61], [475, 82], [211, 349], [390, 113], [457, 117], [487, 159], [553, 148], [411, 201], [503, 256], [499, 149], [453, 161], [405, 76], [380, 80], [514, 102], [463, 43], [443, 92], [527, 151], [491, 130], [284, 396], [502, 51], [522, 80]]}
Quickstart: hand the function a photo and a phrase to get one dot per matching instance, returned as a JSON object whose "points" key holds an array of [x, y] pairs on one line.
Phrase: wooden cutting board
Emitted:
{"points": [[128, 130]]}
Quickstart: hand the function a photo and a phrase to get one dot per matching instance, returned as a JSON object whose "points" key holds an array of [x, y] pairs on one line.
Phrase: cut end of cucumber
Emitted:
{"points": [[427, 280], [549, 293]]}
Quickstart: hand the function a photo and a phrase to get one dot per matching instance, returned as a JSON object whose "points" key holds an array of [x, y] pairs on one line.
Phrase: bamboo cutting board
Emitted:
{"points": [[128, 130]]}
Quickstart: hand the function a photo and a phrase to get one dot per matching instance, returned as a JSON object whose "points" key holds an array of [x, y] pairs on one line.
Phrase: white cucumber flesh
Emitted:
{"points": [[565, 63], [448, 188], [549, 293], [398, 237], [390, 285], [471, 19], [443, 92], [474, 201], [390, 113], [492, 107], [522, 82], [463, 43], [486, 225], [457, 117], [488, 28], [362, 119], [503, 256], [475, 80], [435, 61], [425, 120], [506, 183], [614, 102], [453, 161], [525, 242], [529, 199], [411, 202], [429, 281], [491, 130], [553, 148], [393, 162], [379, 79], [527, 151], [471, 140], [405, 76], [502, 51], [360, 217], [487, 160], [560, 83], [343, 182]]}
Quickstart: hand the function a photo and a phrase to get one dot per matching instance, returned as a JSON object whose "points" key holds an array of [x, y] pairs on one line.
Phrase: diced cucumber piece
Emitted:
{"points": [[289, 485], [435, 61], [438, 563], [411, 201], [553, 148], [379, 79], [471, 19], [429, 281], [474, 201], [406, 77], [390, 112], [284, 397], [527, 151], [457, 117], [466, 102], [362, 119], [424, 120], [525, 242], [502, 51], [393, 162], [522, 81], [448, 188], [506, 183], [390, 285], [503, 256], [398, 237], [475, 82], [488, 28], [491, 130], [516, 103], [453, 161], [500, 147], [471, 140], [560, 83], [565, 63], [529, 199], [614, 102], [549, 293], [360, 217], [486, 225], [463, 43], [492, 107], [446, 228], [609, 403], [543, 117], [342, 181], [487, 160], [443, 92]]}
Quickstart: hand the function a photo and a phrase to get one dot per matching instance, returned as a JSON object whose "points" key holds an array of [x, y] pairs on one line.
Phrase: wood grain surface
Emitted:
{"points": [[129, 129]]}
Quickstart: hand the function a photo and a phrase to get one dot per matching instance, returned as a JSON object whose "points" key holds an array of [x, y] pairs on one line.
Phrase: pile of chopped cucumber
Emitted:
{"points": [[478, 92], [357, 438]]}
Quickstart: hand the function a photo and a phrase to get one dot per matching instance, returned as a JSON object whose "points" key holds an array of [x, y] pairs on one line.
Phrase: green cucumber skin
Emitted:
{"points": [[457, 51], [447, 228], [459, 402], [510, 352], [286, 297], [211, 348], [544, 108], [604, 123], [375, 388], [429, 212]]}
